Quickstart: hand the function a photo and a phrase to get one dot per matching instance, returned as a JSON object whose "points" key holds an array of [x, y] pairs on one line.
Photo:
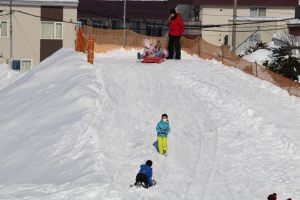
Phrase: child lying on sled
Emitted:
{"points": [[151, 50]]}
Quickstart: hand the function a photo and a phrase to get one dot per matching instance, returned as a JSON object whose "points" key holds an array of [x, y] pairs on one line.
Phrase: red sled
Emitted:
{"points": [[153, 60]]}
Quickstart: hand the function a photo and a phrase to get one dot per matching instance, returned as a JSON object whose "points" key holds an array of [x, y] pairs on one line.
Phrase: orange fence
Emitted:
{"points": [[111, 39], [82, 45], [80, 41]]}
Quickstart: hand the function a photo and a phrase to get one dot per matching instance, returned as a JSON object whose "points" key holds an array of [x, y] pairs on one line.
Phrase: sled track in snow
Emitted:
{"points": [[153, 94], [206, 121], [83, 131], [241, 118]]}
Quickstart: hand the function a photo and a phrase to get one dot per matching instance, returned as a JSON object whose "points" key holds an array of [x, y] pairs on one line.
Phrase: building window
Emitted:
{"points": [[196, 13], [98, 23], [21, 64], [258, 12], [226, 40], [152, 30], [52, 30], [116, 24], [3, 29], [83, 22], [136, 26]]}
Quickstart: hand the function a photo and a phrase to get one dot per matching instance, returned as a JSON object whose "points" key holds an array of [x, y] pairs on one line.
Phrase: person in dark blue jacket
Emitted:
{"points": [[144, 177]]}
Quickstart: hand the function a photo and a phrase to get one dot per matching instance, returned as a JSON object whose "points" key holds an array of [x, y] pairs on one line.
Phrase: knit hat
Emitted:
{"points": [[173, 11], [147, 43], [164, 115], [149, 163]]}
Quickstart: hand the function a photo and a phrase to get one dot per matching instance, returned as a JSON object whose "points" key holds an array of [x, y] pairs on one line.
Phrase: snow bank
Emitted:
{"points": [[259, 56], [7, 75], [48, 142], [72, 131]]}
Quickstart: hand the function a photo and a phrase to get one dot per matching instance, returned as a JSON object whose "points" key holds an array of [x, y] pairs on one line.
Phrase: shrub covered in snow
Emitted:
{"points": [[255, 47], [282, 55], [284, 62], [259, 56]]}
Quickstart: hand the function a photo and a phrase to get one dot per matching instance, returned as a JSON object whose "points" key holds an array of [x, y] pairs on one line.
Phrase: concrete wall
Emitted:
{"points": [[4, 42], [69, 37], [222, 15], [27, 33]]}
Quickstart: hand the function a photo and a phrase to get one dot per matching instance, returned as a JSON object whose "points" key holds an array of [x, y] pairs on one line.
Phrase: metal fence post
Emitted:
{"points": [[199, 47], [256, 68], [91, 49], [222, 54]]}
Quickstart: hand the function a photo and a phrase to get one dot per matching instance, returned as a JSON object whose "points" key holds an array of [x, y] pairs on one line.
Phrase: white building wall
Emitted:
{"points": [[70, 15], [222, 15], [27, 33]]}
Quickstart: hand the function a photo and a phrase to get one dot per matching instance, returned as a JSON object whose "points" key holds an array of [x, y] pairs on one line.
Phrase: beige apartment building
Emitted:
{"points": [[253, 12], [251, 16], [39, 29]]}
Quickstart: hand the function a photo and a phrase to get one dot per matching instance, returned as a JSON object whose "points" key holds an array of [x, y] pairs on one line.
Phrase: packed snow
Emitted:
{"points": [[70, 130], [259, 56], [7, 75]]}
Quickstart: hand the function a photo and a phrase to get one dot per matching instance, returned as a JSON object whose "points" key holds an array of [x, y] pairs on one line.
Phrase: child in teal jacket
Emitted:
{"points": [[163, 129]]}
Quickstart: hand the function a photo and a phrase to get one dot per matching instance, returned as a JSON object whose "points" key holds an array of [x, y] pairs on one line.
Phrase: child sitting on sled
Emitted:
{"points": [[151, 50]]}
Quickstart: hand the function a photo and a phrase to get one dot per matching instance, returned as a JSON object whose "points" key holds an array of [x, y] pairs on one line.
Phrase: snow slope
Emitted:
{"points": [[72, 131], [7, 75]]}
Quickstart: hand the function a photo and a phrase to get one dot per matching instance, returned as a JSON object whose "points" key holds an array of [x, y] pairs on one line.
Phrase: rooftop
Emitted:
{"points": [[42, 2]]}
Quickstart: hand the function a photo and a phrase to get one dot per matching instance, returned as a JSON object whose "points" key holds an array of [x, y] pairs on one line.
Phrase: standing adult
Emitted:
{"points": [[175, 32]]}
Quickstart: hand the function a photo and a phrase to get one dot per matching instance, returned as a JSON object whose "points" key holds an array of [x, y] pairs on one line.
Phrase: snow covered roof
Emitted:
{"points": [[281, 3], [43, 2], [294, 22], [285, 38], [259, 18]]}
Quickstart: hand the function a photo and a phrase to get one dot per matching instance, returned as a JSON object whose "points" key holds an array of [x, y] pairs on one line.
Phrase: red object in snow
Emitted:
{"points": [[176, 26], [153, 60]]}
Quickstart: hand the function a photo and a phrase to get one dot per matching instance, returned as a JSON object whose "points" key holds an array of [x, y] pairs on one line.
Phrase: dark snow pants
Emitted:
{"points": [[174, 42], [140, 177]]}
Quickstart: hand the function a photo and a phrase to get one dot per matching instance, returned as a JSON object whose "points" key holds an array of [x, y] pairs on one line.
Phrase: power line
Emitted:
{"points": [[10, 34], [259, 26], [48, 18], [194, 27], [199, 26], [246, 31], [5, 14], [238, 24]]}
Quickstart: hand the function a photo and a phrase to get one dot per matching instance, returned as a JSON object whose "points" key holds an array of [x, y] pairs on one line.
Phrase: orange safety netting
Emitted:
{"points": [[106, 40], [80, 41]]}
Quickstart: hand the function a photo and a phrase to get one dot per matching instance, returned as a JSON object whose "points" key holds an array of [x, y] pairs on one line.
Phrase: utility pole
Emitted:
{"points": [[10, 35], [124, 24], [234, 25]]}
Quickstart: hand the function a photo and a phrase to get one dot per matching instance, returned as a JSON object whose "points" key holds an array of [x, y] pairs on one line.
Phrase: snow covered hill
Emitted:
{"points": [[73, 131], [8, 75]]}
